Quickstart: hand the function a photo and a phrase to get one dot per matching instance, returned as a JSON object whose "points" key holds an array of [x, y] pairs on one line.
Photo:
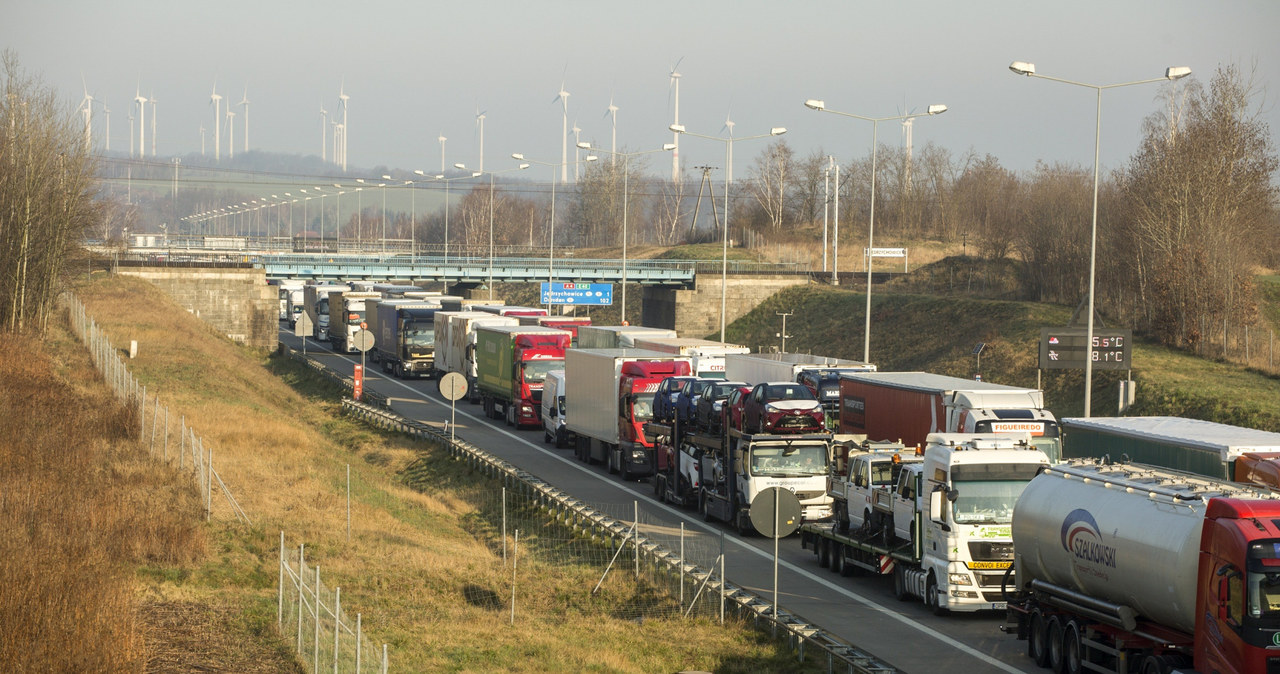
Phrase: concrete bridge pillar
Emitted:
{"points": [[696, 313]]}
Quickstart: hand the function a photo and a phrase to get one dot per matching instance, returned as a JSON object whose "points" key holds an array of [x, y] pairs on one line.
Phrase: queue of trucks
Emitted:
{"points": [[965, 495]]}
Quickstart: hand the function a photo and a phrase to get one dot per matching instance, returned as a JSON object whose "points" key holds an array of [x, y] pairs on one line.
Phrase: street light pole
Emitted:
{"points": [[626, 179], [815, 104], [1029, 69], [491, 175], [551, 225], [383, 185], [728, 178]]}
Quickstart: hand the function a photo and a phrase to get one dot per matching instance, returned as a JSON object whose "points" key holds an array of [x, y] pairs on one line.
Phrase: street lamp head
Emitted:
{"points": [[1022, 68], [937, 109], [815, 104], [584, 145], [777, 131], [460, 166], [518, 156], [386, 177], [667, 147], [678, 128], [419, 172], [523, 166], [359, 180], [439, 176], [1177, 72], [592, 157], [477, 174]]}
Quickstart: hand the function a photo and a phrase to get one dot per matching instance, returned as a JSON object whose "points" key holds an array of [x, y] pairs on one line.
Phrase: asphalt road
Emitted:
{"points": [[861, 610]]}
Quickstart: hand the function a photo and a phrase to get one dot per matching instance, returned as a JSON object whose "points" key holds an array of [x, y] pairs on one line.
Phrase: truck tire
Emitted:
{"points": [[546, 436], [623, 468], [1072, 649], [900, 584], [399, 370], [824, 553], [1054, 641], [509, 410], [935, 604], [704, 505], [1038, 639]]}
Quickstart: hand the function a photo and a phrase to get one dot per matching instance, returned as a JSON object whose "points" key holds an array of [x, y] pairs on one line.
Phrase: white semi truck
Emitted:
{"points": [[946, 534], [616, 336], [456, 343]]}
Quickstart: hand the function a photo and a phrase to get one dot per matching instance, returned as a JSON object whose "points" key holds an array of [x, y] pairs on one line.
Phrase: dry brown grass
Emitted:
{"points": [[80, 505]]}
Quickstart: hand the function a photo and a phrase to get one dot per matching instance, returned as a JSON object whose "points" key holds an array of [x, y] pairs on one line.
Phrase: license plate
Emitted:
{"points": [[990, 565], [999, 605]]}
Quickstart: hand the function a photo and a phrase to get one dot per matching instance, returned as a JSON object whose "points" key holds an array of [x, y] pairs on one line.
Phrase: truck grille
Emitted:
{"points": [[986, 551], [796, 422], [810, 495]]}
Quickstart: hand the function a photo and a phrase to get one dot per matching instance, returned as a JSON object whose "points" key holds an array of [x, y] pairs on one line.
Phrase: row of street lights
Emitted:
{"points": [[1017, 67]]}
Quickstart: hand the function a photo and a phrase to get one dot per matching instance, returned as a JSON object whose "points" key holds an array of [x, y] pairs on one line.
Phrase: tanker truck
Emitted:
{"points": [[1130, 568]]}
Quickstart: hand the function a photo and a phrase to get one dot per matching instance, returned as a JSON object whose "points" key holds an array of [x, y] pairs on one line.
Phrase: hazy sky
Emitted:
{"points": [[417, 70]]}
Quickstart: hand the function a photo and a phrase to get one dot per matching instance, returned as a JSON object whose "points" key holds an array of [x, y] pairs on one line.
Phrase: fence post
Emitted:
{"points": [[515, 548], [384, 659], [337, 625], [142, 416], [155, 419], [302, 566], [280, 593], [359, 642], [635, 540], [166, 434], [208, 488], [182, 444], [722, 576], [681, 563], [504, 526], [315, 649]]}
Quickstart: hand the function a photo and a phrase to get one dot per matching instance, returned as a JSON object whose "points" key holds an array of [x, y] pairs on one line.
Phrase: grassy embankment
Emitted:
{"points": [[419, 549]]}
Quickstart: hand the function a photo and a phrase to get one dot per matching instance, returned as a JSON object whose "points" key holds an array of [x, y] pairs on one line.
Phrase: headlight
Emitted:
{"points": [[959, 579], [639, 455], [716, 406], [771, 409], [674, 396]]}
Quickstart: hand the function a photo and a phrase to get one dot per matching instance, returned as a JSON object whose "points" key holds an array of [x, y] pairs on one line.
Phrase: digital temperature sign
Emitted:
{"points": [[1067, 349]]}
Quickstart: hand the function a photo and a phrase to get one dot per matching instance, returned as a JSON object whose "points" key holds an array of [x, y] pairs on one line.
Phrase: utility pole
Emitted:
{"points": [[697, 205], [784, 334]]}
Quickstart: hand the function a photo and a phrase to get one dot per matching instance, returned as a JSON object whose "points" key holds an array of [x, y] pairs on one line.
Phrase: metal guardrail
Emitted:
{"points": [[800, 633]]}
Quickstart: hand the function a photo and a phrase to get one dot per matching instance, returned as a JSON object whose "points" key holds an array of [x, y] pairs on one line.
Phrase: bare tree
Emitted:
{"points": [[47, 187], [1199, 197], [770, 176]]}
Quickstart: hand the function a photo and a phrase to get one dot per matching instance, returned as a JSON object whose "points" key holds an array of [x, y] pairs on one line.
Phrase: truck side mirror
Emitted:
{"points": [[952, 495], [937, 514]]}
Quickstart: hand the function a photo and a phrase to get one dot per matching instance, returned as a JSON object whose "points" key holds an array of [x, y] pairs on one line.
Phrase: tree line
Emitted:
{"points": [[47, 189]]}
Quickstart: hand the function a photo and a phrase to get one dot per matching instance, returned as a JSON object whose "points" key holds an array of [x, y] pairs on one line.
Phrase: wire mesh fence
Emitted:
{"points": [[311, 616], [1249, 345]]}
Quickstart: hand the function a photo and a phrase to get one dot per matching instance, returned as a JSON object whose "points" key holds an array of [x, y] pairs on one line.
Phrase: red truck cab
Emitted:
{"points": [[636, 385], [535, 355], [1238, 612]]}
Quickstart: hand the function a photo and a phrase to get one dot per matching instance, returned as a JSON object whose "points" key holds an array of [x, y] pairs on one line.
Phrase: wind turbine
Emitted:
{"points": [[577, 161], [87, 104], [324, 125], [563, 97], [906, 138], [131, 134], [106, 110], [202, 140], [728, 126], [216, 99], [244, 103], [442, 139], [613, 149], [153, 124], [342, 99], [674, 83], [142, 122], [480, 128], [231, 132]]}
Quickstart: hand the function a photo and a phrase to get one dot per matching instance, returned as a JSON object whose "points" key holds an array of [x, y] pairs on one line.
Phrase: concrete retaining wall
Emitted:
{"points": [[696, 313], [237, 302]]}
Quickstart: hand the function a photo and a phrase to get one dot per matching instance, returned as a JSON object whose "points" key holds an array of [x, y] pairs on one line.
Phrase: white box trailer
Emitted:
{"points": [[455, 342], [763, 367], [616, 336], [708, 355]]}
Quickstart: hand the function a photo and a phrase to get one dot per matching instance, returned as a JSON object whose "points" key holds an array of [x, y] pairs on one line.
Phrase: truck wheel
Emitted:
{"points": [[900, 584], [1054, 641], [824, 553], [1071, 649], [623, 468], [1037, 639], [743, 523], [932, 600], [837, 559], [704, 505], [510, 410], [399, 371]]}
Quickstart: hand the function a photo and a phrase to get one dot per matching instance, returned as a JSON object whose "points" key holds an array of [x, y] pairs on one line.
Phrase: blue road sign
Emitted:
{"points": [[577, 293]]}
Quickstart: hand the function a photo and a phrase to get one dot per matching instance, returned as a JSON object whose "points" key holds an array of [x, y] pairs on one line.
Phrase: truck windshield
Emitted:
{"points": [[1264, 594], [641, 409], [355, 317], [986, 501], [802, 460], [420, 333], [536, 370]]}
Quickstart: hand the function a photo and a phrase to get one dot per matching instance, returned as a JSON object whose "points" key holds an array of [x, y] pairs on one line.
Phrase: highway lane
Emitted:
{"points": [[861, 610]]}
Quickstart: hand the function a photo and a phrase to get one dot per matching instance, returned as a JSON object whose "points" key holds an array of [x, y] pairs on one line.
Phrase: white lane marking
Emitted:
{"points": [[577, 465]]}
